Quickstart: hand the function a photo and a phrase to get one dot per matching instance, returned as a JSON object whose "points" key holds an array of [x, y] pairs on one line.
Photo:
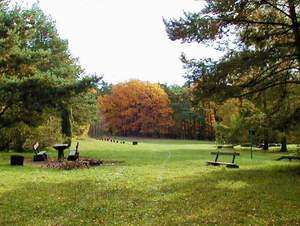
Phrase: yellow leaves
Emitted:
{"points": [[230, 109], [137, 107], [93, 91]]}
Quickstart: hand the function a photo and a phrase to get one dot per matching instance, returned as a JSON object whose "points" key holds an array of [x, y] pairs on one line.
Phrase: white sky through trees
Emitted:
{"points": [[124, 40]]}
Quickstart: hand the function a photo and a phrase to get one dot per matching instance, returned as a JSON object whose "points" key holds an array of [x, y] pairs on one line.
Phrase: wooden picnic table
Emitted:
{"points": [[60, 149]]}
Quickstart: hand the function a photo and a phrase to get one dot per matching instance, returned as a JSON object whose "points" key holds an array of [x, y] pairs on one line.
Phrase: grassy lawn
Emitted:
{"points": [[161, 182]]}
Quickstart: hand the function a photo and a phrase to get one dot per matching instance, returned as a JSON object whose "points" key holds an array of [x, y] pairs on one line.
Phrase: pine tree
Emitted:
{"points": [[38, 75], [261, 41]]}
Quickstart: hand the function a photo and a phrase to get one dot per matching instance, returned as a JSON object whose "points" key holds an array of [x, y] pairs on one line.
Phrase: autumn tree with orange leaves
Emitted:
{"points": [[137, 108]]}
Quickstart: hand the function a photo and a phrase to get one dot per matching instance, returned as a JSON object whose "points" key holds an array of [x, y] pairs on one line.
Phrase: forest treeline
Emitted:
{"points": [[138, 108], [46, 96]]}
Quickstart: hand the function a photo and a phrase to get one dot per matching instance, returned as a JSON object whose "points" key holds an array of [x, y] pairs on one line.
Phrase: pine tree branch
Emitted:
{"points": [[271, 85], [263, 37], [4, 109], [257, 81], [245, 21], [275, 7]]}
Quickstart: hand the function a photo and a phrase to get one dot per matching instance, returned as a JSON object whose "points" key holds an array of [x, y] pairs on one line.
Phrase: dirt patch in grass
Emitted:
{"points": [[82, 163], [78, 164]]}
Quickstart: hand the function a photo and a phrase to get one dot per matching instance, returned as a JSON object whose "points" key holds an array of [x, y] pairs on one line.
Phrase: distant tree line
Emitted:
{"points": [[137, 108]]}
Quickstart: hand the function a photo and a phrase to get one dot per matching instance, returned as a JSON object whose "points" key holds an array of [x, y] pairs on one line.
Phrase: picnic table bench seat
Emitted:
{"points": [[227, 164]]}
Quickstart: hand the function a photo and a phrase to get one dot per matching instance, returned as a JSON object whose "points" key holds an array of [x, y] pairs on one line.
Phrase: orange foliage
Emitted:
{"points": [[92, 90], [137, 108]]}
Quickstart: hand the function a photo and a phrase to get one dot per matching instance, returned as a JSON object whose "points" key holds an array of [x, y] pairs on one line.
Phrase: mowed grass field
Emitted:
{"points": [[160, 182]]}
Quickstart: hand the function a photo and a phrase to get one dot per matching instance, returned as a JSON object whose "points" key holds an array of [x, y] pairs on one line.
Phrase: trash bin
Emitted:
{"points": [[16, 160]]}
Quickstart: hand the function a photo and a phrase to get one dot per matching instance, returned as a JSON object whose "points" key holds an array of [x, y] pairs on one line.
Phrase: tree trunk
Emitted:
{"points": [[19, 144], [283, 144], [66, 124], [183, 130], [266, 124], [295, 27], [266, 141]]}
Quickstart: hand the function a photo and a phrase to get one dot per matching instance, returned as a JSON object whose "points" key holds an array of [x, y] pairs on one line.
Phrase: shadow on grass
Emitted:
{"points": [[239, 197], [224, 197]]}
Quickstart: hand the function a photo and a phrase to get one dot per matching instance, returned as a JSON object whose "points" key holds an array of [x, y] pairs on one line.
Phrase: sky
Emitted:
{"points": [[124, 40]]}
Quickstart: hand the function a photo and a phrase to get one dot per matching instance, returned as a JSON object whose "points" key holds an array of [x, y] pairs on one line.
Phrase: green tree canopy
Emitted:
{"points": [[262, 40], [38, 75]]}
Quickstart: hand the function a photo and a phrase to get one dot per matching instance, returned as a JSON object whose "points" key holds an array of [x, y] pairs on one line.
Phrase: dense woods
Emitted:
{"points": [[138, 108]]}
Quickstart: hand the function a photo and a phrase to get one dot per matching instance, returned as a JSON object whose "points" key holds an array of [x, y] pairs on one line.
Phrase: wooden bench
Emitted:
{"points": [[74, 154], [289, 157], [225, 146], [39, 155], [227, 164]]}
